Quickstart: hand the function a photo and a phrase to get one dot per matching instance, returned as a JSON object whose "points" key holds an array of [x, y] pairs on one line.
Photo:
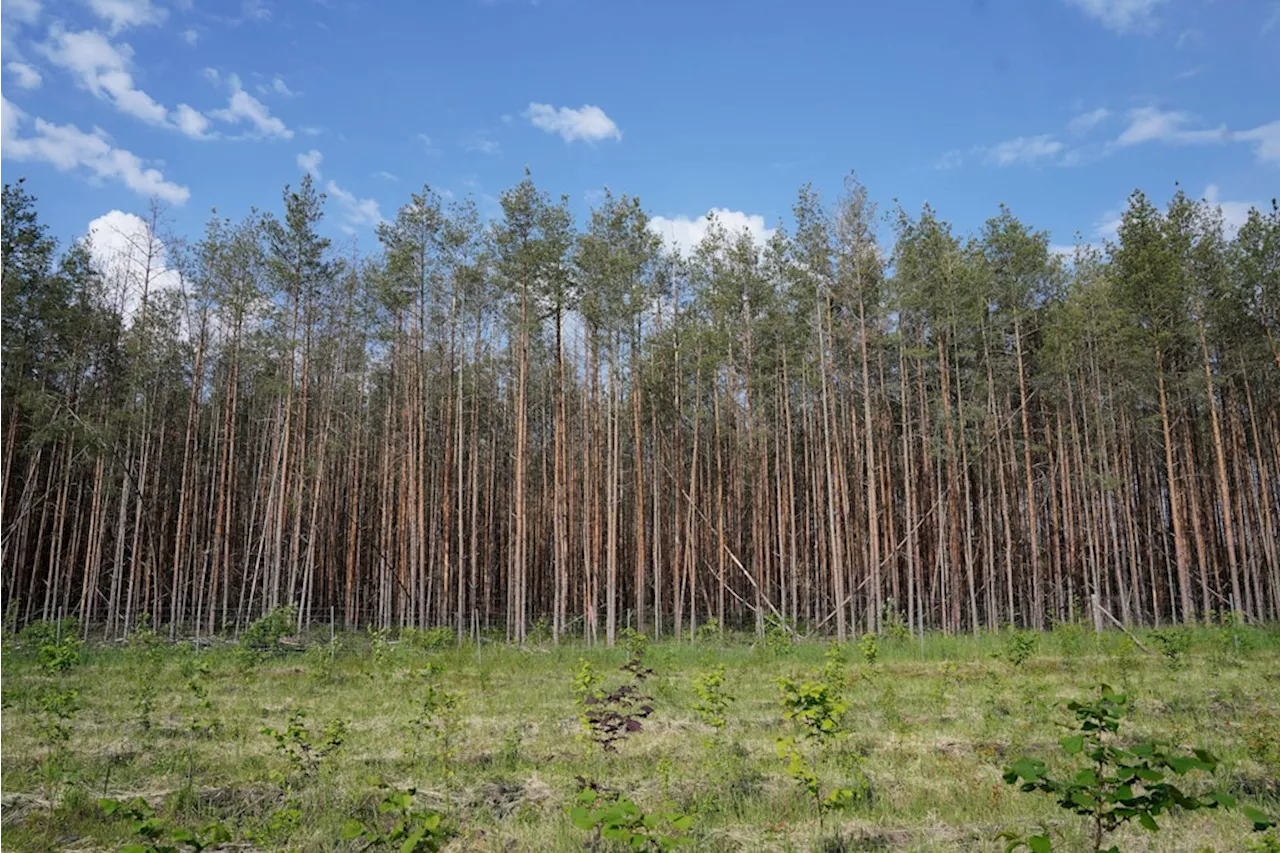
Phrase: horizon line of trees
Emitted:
{"points": [[538, 421]]}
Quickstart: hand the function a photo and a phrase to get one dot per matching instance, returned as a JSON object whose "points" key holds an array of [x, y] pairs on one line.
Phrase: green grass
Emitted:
{"points": [[930, 727]]}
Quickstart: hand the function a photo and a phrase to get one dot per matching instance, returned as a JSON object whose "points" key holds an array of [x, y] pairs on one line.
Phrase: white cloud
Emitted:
{"points": [[243, 108], [386, 176], [1086, 122], [190, 37], [212, 75], [1120, 16], [359, 211], [1023, 149], [1267, 141], [685, 234], [255, 10], [16, 15], [131, 258], [310, 162], [1108, 225], [588, 123], [277, 86], [191, 121], [475, 142], [1151, 124], [104, 70], [1234, 213], [951, 160], [68, 148], [26, 76], [122, 14]]}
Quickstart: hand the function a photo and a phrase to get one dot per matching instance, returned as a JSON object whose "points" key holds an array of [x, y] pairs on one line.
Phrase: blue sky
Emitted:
{"points": [[1058, 108]]}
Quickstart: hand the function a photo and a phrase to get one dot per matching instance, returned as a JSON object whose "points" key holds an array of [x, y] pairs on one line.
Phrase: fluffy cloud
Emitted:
{"points": [[67, 148], [131, 259], [685, 234], [277, 86], [243, 108], [190, 37], [191, 121], [1234, 213], [1266, 139], [951, 160], [25, 76], [1086, 122], [358, 211], [310, 162], [17, 14], [103, 69], [1120, 16], [1150, 124], [588, 123], [1024, 149], [121, 14]]}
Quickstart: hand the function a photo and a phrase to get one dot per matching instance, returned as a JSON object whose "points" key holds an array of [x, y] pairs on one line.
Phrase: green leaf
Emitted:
{"points": [[1148, 822], [411, 843], [1039, 844], [352, 829], [1261, 820], [1073, 744]]}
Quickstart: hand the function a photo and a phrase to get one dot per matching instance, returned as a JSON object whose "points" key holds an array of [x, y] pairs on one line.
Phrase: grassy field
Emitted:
{"points": [[492, 739]]}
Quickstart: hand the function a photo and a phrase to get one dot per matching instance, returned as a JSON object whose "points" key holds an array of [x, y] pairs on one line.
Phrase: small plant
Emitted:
{"points": [[305, 751], [609, 816], [1017, 647], [59, 655], [816, 706], [437, 717], [58, 708], [709, 631], [1173, 643], [1118, 784], [892, 623], [779, 636], [802, 772], [158, 836], [608, 716], [713, 700], [379, 648], [399, 826], [869, 646], [147, 649], [637, 645], [202, 722], [264, 635], [430, 639]]}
